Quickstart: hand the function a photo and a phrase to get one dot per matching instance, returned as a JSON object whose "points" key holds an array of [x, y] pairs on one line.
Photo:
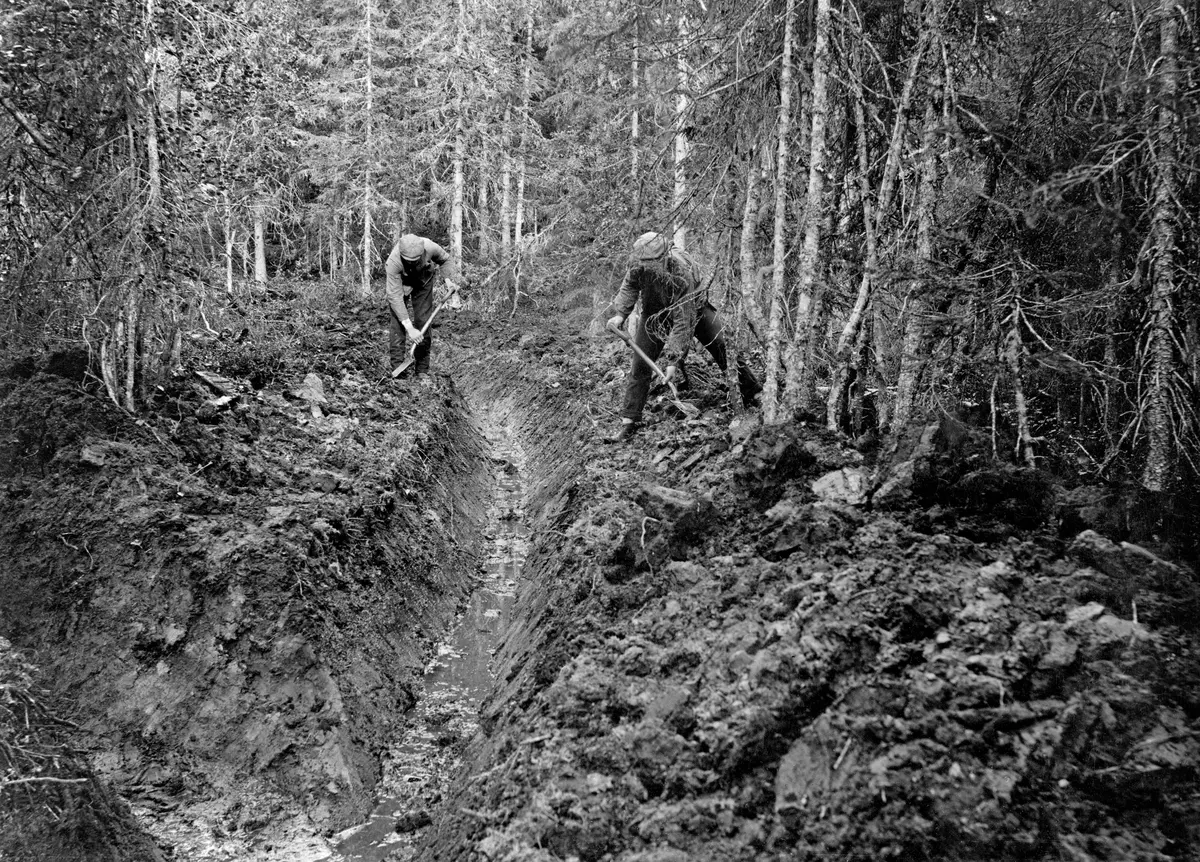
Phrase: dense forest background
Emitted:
{"points": [[986, 207]]}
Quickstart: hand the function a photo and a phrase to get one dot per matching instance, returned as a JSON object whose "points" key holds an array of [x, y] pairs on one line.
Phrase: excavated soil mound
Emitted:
{"points": [[741, 643], [233, 595], [732, 643]]}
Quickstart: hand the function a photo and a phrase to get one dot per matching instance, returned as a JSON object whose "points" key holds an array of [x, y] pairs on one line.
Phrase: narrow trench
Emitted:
{"points": [[421, 762]]}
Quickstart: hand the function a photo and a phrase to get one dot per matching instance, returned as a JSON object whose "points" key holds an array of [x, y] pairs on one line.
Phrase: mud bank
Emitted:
{"points": [[752, 644], [235, 597]]}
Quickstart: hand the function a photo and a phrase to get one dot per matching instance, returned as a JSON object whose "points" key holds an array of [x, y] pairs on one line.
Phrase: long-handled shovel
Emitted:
{"points": [[691, 411], [412, 351]]}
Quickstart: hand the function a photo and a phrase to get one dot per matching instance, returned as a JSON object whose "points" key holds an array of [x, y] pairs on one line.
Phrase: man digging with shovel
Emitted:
{"points": [[671, 302], [412, 269]]}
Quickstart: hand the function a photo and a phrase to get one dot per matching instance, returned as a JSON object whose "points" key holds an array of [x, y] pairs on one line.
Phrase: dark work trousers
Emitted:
{"points": [[420, 306], [709, 332]]}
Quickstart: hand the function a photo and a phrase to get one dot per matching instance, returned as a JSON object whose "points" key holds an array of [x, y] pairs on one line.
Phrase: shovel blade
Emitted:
{"points": [[403, 366]]}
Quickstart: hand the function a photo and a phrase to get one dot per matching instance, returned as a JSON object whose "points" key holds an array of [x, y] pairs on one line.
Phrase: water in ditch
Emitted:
{"points": [[457, 678]]}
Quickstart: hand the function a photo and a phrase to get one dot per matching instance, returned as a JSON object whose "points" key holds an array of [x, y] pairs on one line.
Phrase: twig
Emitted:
{"points": [[842, 756]]}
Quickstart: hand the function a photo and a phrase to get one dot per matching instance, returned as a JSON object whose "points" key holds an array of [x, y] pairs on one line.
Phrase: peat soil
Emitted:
{"points": [[718, 642]]}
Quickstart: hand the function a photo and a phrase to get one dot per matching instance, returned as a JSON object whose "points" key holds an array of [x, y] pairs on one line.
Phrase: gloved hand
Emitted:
{"points": [[669, 373], [615, 321], [453, 285], [415, 334]]}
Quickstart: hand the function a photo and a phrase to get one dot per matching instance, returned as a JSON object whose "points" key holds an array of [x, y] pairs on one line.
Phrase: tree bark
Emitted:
{"points": [[914, 358], [260, 242], [522, 153], [683, 110], [368, 250], [775, 334], [1164, 221], [749, 275], [635, 168], [797, 389], [506, 186]]}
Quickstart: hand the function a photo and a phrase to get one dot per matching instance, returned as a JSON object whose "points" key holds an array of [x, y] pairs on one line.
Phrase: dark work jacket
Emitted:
{"points": [[402, 281], [667, 286]]}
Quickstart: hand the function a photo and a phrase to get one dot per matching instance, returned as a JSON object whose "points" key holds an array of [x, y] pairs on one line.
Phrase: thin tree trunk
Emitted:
{"points": [[460, 144], [368, 248], [260, 243], [1014, 355], [775, 334], [683, 110], [522, 154], [481, 203], [635, 172], [749, 278], [915, 356], [506, 186], [1160, 353], [799, 373]]}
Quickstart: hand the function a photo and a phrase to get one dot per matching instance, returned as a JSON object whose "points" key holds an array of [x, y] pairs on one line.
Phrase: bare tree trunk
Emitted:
{"points": [[750, 277], [635, 168], [481, 202], [460, 143], [1014, 355], [873, 218], [522, 155], [775, 334], [506, 186], [915, 357], [260, 242], [797, 389], [1160, 352], [683, 110], [368, 246]]}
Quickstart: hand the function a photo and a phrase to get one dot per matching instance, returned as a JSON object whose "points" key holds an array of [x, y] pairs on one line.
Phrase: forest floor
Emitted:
{"points": [[265, 605]]}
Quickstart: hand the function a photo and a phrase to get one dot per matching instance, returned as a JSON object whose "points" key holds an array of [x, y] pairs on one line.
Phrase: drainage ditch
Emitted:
{"points": [[421, 763]]}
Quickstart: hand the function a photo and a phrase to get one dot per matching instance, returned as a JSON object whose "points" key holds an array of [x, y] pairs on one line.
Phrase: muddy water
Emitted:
{"points": [[420, 763]]}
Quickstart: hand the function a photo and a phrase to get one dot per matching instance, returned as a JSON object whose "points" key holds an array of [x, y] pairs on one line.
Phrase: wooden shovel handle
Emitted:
{"points": [[624, 336], [412, 351]]}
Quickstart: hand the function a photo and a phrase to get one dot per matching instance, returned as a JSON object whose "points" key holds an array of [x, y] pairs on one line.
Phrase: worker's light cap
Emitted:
{"points": [[650, 246], [412, 247]]}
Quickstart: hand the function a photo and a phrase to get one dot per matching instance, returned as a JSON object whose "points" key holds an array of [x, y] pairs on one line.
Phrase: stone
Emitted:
{"points": [[742, 427], [1094, 550], [685, 574], [847, 485], [411, 821], [311, 390], [897, 488]]}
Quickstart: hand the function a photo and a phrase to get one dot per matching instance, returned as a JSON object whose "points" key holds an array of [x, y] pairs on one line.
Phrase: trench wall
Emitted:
{"points": [[249, 632]]}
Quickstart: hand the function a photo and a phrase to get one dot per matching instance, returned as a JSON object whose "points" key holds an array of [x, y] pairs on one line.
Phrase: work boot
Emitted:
{"points": [[625, 433]]}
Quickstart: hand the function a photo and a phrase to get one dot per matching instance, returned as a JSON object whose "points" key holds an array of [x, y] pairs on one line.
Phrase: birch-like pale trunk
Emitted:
{"points": [[458, 195], [748, 268], [506, 172], [1164, 220], [148, 224], [481, 202], [526, 94], [775, 334], [260, 242], [635, 168], [1014, 356], [368, 248], [683, 111], [873, 219], [797, 388]]}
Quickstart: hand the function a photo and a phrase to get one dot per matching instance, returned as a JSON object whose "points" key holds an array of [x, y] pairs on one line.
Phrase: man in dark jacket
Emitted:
{"points": [[670, 291], [412, 269]]}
